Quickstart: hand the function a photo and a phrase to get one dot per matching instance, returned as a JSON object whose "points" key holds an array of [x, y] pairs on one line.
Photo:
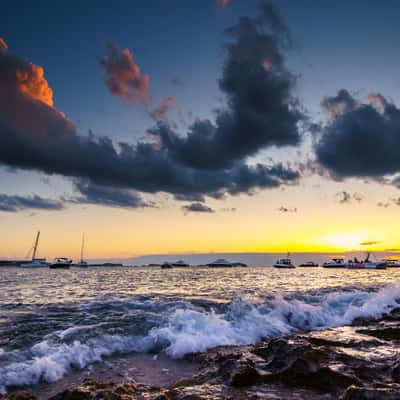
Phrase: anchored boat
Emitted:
{"points": [[35, 262], [82, 263], [61, 263], [335, 263]]}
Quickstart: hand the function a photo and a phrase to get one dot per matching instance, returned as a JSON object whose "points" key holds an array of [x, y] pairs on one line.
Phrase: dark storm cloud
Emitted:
{"points": [[197, 207], [362, 139], [34, 202], [107, 196], [261, 109], [210, 161]]}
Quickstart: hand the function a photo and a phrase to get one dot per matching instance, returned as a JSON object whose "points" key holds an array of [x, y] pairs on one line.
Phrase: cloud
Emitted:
{"points": [[261, 110], [197, 207], [343, 197], [209, 161], [33, 202], [166, 104], [287, 210], [123, 76], [383, 204], [362, 140], [3, 44], [337, 105], [369, 243], [107, 196], [222, 3]]}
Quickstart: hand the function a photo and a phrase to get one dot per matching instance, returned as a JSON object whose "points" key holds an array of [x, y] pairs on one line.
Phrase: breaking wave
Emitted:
{"points": [[188, 327]]}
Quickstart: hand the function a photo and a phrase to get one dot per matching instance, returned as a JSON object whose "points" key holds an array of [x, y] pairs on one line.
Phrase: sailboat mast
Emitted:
{"points": [[83, 244], [35, 246]]}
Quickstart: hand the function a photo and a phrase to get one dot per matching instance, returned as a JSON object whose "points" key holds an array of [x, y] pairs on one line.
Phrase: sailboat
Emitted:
{"points": [[82, 263], [35, 262]]}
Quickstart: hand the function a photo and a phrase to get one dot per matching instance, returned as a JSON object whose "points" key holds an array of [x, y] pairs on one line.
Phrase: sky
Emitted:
{"points": [[187, 127]]}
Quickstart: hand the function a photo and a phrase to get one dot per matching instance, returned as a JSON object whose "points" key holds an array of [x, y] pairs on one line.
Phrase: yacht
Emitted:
{"points": [[309, 264], [220, 263], [391, 263], [284, 263], [35, 262], [82, 263], [366, 264], [335, 263], [61, 263], [180, 263]]}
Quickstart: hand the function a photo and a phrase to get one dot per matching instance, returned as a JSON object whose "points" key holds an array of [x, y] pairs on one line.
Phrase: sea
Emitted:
{"points": [[59, 324]]}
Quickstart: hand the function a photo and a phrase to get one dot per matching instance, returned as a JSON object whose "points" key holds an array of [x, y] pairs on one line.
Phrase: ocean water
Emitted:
{"points": [[54, 322]]}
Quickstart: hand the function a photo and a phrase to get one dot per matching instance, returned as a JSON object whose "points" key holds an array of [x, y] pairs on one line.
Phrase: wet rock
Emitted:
{"points": [[385, 333], [245, 376], [390, 392], [22, 395]]}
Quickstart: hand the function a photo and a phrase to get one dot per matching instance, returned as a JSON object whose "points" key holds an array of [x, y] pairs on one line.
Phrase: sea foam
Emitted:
{"points": [[190, 329]]}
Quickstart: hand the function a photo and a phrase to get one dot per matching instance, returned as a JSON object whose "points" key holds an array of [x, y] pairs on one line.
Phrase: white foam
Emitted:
{"points": [[190, 330], [50, 362]]}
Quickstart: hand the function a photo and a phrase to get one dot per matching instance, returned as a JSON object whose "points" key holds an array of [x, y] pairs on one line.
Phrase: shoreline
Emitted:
{"points": [[356, 362]]}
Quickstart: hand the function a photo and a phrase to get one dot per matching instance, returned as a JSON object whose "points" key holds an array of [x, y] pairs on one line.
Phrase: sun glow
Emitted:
{"points": [[345, 240]]}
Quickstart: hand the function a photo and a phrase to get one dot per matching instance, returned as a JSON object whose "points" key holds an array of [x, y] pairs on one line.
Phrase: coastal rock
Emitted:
{"points": [[389, 392]]}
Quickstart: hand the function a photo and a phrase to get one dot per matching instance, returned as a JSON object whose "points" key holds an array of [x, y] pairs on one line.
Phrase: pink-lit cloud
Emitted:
{"points": [[123, 76], [222, 3], [3, 44], [166, 104]]}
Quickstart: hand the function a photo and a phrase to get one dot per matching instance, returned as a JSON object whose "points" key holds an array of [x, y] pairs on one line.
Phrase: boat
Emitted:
{"points": [[82, 263], [308, 264], [220, 263], [166, 265], [35, 262], [335, 263], [366, 264], [61, 263], [391, 263], [284, 263], [180, 263]]}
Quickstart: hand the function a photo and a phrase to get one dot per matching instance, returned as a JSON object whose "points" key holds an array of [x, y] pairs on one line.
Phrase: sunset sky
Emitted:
{"points": [[199, 126]]}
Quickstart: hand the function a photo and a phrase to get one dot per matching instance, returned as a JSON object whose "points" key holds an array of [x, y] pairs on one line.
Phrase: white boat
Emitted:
{"points": [[82, 263], [180, 263], [391, 263], [220, 263], [284, 263], [335, 263], [366, 264], [35, 262], [61, 263], [309, 264]]}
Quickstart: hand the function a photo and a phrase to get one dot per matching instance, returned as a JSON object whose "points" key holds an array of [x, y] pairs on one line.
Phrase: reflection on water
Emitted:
{"points": [[44, 286]]}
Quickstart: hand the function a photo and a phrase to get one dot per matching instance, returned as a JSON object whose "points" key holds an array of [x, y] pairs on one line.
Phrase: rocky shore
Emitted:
{"points": [[359, 362]]}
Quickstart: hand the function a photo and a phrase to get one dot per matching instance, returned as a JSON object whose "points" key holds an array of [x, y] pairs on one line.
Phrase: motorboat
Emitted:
{"points": [[180, 263], [35, 262], [166, 265], [391, 263], [284, 263], [335, 263], [309, 264], [61, 263], [220, 263], [366, 264]]}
